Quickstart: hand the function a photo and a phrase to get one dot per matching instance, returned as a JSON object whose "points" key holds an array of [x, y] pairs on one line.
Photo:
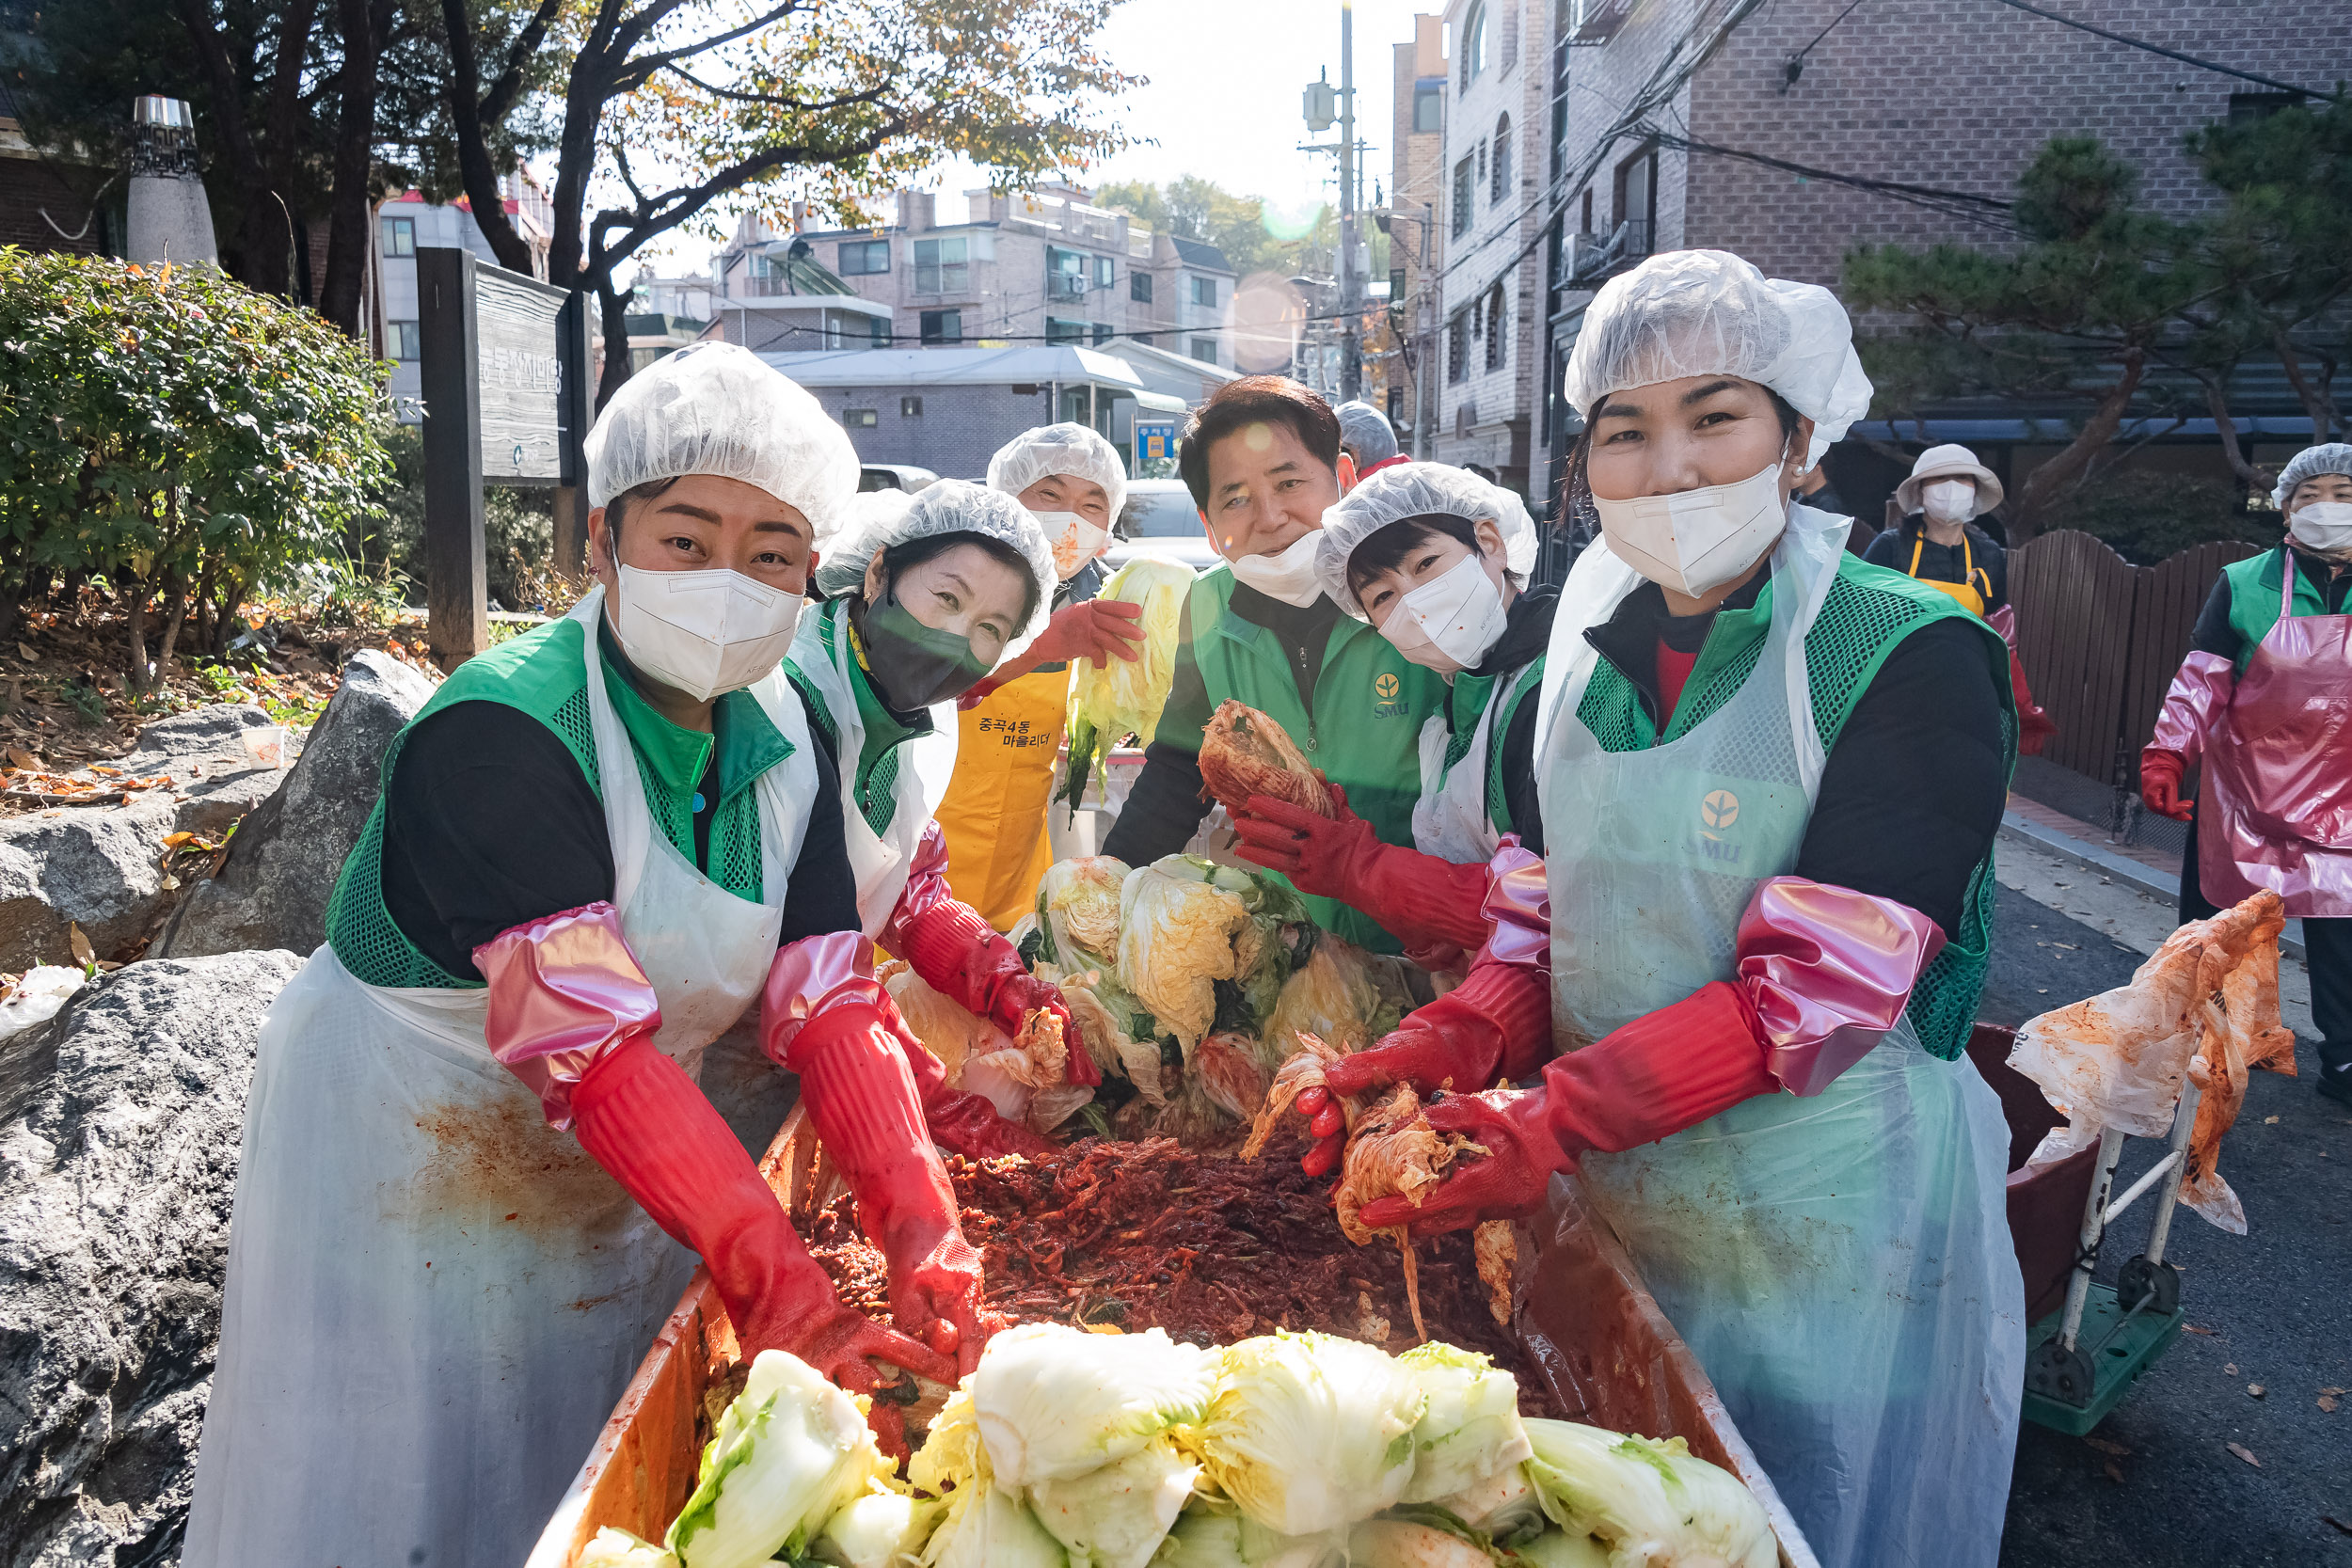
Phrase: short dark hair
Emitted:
{"points": [[620, 503], [1255, 399], [1386, 548], [898, 559]]}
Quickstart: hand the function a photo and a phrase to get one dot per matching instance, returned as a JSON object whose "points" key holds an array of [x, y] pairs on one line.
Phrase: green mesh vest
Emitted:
{"points": [[1868, 611], [2254, 584], [540, 674]]}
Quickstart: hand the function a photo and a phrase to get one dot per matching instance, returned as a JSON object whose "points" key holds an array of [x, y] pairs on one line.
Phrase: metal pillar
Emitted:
{"points": [[1351, 285]]}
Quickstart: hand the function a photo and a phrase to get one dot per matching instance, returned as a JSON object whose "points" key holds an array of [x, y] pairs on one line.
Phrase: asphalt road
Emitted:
{"points": [[2156, 1484]]}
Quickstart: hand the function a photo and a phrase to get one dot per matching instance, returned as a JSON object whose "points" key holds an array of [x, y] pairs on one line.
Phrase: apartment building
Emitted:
{"points": [[1416, 221], [1046, 266], [1491, 284], [407, 222]]}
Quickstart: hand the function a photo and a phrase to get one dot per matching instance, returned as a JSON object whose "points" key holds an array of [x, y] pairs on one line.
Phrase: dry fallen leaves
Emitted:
{"points": [[2192, 1328], [2246, 1453], [84, 954], [2254, 1389], [2114, 1471], [2103, 1446], [2229, 1369], [2270, 1121], [2327, 1403]]}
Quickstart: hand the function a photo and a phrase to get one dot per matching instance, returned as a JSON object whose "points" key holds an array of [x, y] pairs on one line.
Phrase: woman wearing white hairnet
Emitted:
{"points": [[477, 1169], [1761, 963], [921, 604], [994, 816], [2265, 700]]}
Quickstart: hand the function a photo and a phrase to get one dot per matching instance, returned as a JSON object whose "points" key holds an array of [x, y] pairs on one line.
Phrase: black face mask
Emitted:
{"points": [[913, 665]]}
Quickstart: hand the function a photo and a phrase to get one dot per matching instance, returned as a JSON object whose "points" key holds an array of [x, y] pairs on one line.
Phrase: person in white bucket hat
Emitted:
{"points": [[1938, 541]]}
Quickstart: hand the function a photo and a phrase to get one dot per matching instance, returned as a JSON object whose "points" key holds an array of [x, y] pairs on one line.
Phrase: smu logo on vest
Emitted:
{"points": [[1719, 809], [1386, 696]]}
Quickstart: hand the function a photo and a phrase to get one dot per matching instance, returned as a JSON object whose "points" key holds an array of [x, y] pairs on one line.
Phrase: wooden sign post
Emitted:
{"points": [[495, 376]]}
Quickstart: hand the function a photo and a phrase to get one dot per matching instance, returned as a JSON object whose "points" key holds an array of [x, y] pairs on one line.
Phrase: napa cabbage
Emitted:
{"points": [[1176, 936], [1078, 909], [1207, 1537], [1469, 1427], [1125, 697], [617, 1549], [788, 1451], [1053, 1402], [1310, 1432], [989, 1527], [1116, 1517], [1651, 1503], [879, 1529]]}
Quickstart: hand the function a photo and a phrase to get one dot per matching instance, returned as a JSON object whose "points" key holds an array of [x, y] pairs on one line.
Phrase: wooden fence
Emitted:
{"points": [[2100, 639]]}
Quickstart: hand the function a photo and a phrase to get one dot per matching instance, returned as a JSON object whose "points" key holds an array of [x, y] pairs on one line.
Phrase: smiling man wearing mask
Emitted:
{"points": [[1009, 725], [1761, 958], [2265, 700], [1262, 460], [477, 1168]]}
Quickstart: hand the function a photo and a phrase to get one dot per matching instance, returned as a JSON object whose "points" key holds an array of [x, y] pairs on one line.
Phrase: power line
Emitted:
{"points": [[2160, 49], [1969, 208]]}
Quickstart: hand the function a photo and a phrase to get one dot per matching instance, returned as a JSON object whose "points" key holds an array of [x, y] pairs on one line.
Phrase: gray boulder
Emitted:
{"points": [[121, 1122], [101, 866], [280, 872]]}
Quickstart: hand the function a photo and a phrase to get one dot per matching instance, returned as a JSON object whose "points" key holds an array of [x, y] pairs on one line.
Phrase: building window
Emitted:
{"points": [[858, 419], [1139, 287], [1510, 34], [1204, 293], [1465, 192], [399, 236], [1065, 274], [942, 326], [878, 330], [403, 340], [1429, 105], [1105, 272], [910, 408], [1457, 348], [1061, 330], [1102, 333], [941, 266], [1637, 201], [865, 258], [1143, 338], [1498, 180], [1473, 44], [2246, 106], [1497, 342], [1204, 349]]}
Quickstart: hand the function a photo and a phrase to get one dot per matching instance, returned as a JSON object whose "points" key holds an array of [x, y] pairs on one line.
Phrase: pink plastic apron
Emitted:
{"points": [[2275, 807]]}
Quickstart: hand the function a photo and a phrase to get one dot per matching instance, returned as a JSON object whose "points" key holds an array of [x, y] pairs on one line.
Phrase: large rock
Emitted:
{"points": [[120, 1122], [101, 868], [281, 867]]}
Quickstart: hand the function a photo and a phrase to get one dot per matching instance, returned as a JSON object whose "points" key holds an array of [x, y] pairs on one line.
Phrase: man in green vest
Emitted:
{"points": [[1263, 461]]}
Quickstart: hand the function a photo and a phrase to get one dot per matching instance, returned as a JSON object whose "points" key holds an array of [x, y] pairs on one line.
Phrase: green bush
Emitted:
{"points": [[2148, 517], [184, 438], [517, 527]]}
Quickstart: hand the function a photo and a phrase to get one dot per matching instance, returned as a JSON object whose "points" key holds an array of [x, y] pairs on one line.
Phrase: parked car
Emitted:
{"points": [[894, 476], [1160, 519]]}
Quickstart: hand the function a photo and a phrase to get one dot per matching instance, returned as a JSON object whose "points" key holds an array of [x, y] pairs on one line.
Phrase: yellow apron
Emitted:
{"points": [[1966, 591], [993, 816]]}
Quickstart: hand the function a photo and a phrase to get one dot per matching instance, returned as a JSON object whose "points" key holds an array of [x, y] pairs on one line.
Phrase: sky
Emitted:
{"points": [[1223, 99]]}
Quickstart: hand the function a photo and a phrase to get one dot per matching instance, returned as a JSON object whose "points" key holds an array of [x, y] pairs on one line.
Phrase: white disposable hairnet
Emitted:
{"points": [[1708, 312], [1418, 490], [2332, 458], [717, 409], [1366, 432], [950, 506], [1059, 448]]}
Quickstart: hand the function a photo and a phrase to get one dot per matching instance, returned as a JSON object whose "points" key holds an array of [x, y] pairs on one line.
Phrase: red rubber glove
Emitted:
{"points": [[980, 693], [1098, 630], [2160, 783], [860, 1092], [643, 1120], [1497, 1023], [1664, 1071], [962, 957], [1427, 902]]}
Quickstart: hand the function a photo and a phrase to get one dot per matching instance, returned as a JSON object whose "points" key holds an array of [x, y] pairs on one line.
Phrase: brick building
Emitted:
{"points": [[1490, 334], [1043, 267], [1658, 151], [1417, 217]]}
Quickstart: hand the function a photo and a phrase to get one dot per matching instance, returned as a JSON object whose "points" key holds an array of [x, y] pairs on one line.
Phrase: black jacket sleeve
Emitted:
{"points": [[489, 822], [822, 895], [1912, 792], [1881, 550], [1519, 775], [1165, 808], [2214, 634]]}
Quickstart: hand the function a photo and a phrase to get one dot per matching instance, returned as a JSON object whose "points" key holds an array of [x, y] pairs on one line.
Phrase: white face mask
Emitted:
{"points": [[1074, 540], [1448, 622], [1949, 500], [1695, 540], [1289, 574], [704, 633], [2324, 528]]}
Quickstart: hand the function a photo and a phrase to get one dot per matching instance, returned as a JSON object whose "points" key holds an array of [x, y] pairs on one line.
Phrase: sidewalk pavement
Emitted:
{"points": [[2151, 871]]}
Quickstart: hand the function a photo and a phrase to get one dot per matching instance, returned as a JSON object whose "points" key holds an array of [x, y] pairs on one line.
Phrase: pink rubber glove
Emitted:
{"points": [[1432, 905], [2160, 783]]}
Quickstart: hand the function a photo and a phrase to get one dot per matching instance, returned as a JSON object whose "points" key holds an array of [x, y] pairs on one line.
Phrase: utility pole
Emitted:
{"points": [[1351, 285]]}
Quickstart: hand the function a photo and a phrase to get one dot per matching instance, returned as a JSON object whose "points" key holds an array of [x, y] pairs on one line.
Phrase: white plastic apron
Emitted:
{"points": [[1450, 819], [1841, 1264], [434, 1298], [881, 862]]}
